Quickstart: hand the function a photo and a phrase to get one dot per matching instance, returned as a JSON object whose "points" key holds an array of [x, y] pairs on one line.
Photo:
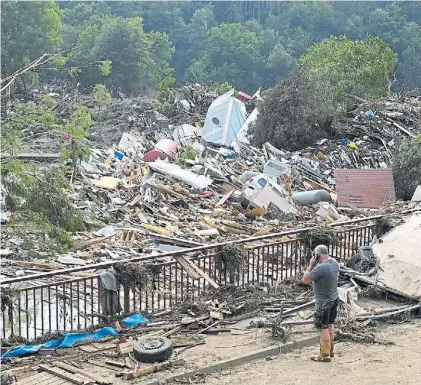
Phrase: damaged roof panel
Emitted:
{"points": [[364, 188]]}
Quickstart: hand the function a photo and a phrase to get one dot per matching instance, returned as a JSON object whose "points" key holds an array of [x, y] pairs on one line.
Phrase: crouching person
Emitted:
{"points": [[323, 272]]}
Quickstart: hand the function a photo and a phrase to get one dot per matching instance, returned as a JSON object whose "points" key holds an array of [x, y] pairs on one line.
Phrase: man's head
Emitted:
{"points": [[321, 252]]}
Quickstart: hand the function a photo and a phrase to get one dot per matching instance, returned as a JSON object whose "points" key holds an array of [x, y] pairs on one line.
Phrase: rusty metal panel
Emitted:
{"points": [[364, 188]]}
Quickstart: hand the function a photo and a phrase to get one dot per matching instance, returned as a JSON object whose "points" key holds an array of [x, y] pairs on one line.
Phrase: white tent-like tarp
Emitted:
{"points": [[225, 117]]}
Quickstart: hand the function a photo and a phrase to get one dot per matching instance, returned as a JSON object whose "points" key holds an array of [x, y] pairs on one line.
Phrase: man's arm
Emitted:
{"points": [[306, 277], [311, 266]]}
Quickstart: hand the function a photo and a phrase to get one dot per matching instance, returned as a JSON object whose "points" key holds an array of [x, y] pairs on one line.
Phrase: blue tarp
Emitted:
{"points": [[134, 320], [65, 342], [71, 338]]}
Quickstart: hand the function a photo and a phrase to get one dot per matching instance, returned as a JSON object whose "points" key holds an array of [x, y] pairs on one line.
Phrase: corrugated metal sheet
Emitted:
{"points": [[364, 188]]}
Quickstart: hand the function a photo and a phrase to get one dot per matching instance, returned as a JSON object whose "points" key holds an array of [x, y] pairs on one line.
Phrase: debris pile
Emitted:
{"points": [[162, 186]]}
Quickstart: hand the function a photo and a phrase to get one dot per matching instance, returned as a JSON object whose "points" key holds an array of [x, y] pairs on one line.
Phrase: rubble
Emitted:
{"points": [[160, 185], [202, 192]]}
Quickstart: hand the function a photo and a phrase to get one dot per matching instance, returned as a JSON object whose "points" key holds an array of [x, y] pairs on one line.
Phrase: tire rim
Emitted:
{"points": [[153, 344]]}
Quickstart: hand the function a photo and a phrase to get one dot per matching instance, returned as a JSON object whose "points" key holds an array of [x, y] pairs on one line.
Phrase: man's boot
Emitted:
{"points": [[324, 355], [332, 338]]}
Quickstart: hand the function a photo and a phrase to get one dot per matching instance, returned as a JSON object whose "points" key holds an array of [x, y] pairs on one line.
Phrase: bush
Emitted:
{"points": [[407, 168], [295, 113]]}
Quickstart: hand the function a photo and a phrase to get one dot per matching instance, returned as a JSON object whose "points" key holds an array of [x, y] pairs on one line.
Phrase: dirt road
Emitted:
{"points": [[354, 363]]}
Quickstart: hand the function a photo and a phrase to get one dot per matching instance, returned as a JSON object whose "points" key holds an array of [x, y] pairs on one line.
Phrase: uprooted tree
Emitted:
{"points": [[407, 168], [295, 113]]}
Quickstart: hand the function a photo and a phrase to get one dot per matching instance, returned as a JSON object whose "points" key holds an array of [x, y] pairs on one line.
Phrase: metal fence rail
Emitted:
{"points": [[79, 303]]}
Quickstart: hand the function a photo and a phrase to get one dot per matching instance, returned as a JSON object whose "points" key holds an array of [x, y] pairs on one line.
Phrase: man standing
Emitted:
{"points": [[323, 272]]}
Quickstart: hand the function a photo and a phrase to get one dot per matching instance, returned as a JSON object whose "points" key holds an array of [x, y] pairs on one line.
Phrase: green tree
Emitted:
{"points": [[407, 168], [245, 55], [317, 18], [410, 61], [298, 42], [232, 53], [387, 23], [354, 27], [79, 17], [28, 30], [139, 60], [362, 68]]}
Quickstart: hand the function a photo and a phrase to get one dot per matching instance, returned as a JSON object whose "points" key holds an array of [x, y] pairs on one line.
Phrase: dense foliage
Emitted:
{"points": [[362, 68], [28, 30], [249, 44]]}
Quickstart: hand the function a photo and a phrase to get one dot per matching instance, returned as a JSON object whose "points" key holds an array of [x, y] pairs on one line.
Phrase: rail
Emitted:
{"points": [[36, 307]]}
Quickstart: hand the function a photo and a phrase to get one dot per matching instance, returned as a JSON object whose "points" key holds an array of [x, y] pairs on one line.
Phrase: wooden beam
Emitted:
{"points": [[66, 376]]}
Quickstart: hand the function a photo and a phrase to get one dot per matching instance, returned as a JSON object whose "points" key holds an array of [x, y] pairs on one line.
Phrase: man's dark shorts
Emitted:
{"points": [[325, 314]]}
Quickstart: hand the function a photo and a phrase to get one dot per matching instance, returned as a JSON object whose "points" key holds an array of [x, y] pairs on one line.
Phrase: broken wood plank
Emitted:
{"points": [[153, 369], [125, 347], [265, 230], [207, 328], [189, 321], [103, 365], [172, 331], [224, 199], [298, 308], [410, 134], [75, 379], [84, 373], [217, 330], [194, 271], [186, 264], [390, 314], [298, 322], [91, 242], [381, 310], [115, 363]]}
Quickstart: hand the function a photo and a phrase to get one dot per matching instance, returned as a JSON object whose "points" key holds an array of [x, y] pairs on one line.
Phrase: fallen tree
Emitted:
{"points": [[294, 114]]}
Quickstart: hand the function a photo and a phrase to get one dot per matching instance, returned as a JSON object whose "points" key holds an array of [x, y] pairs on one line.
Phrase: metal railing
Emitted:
{"points": [[70, 304]]}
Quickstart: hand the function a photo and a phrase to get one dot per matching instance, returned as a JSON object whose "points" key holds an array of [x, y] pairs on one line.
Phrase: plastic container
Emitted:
{"points": [[276, 169]]}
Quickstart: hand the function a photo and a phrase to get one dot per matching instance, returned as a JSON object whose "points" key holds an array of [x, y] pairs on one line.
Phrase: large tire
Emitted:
{"points": [[154, 349]]}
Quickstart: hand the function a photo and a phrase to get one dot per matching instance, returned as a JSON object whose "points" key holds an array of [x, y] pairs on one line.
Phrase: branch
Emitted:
{"points": [[36, 63], [392, 81]]}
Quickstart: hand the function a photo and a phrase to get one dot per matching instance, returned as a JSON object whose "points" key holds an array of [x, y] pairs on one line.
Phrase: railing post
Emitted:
{"points": [[126, 299]]}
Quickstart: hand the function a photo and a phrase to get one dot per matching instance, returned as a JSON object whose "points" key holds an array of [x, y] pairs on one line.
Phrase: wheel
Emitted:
{"points": [[155, 349]]}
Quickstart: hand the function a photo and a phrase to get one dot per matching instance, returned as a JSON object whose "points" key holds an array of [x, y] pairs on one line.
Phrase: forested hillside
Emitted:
{"points": [[138, 46]]}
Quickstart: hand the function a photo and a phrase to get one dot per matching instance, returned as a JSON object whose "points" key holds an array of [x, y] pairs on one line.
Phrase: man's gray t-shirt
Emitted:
{"points": [[325, 281]]}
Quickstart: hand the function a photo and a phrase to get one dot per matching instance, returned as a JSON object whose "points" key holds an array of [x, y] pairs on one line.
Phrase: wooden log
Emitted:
{"points": [[153, 369]]}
